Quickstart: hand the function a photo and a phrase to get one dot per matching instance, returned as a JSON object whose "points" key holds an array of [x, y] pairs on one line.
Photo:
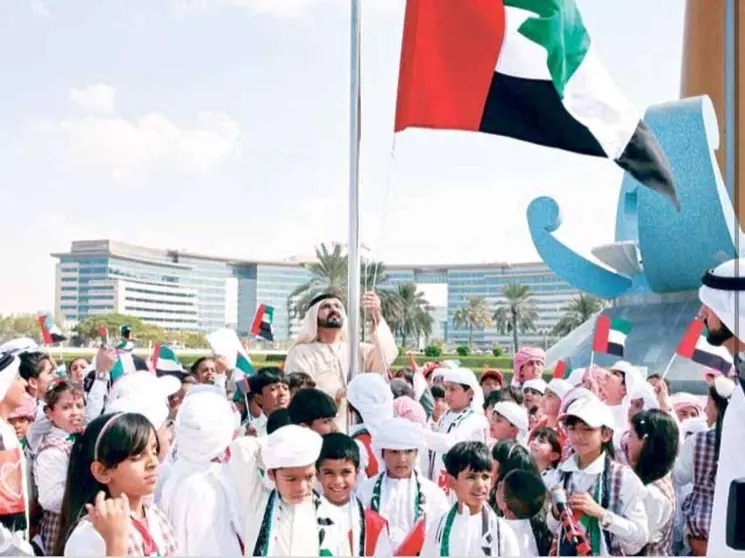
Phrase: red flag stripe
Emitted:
{"points": [[258, 318], [560, 369], [688, 344], [156, 353], [602, 330], [46, 336], [449, 54]]}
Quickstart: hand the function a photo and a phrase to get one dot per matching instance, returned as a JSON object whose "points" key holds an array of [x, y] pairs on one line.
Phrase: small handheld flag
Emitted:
{"points": [[165, 360], [695, 347], [50, 333], [243, 371], [103, 333], [562, 370], [262, 324], [610, 335], [124, 365]]}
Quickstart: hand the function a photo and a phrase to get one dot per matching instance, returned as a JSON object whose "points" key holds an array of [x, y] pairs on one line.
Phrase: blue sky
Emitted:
{"points": [[221, 126]]}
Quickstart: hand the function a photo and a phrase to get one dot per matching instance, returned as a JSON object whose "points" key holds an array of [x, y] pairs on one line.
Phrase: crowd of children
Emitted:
{"points": [[437, 462]]}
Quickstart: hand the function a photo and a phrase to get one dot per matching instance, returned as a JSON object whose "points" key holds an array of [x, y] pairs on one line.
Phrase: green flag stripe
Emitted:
{"points": [[621, 325], [559, 29]]}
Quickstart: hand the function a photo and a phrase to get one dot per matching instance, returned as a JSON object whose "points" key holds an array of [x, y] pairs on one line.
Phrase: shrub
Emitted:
{"points": [[433, 351], [497, 350], [463, 350]]}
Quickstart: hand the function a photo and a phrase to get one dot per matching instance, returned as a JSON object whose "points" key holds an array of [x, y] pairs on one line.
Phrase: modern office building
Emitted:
{"points": [[183, 291]]}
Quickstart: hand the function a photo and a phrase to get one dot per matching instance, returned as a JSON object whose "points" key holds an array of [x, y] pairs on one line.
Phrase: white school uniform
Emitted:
{"points": [[525, 537], [50, 471], [350, 521], [467, 536]]}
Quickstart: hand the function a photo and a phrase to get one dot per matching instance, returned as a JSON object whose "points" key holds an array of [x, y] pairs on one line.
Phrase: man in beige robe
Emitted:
{"points": [[321, 349]]}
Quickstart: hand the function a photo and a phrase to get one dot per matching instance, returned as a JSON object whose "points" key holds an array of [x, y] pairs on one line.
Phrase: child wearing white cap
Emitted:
{"points": [[509, 421], [533, 391], [464, 421], [608, 496], [407, 500]]}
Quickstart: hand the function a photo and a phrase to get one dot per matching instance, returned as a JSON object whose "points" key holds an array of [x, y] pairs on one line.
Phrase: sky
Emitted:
{"points": [[221, 127]]}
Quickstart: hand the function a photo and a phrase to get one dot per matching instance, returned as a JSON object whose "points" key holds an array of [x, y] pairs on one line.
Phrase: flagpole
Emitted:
{"points": [[669, 365], [730, 88], [592, 359], [353, 271]]}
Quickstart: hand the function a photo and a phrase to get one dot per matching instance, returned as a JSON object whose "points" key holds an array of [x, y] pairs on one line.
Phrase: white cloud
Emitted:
{"points": [[40, 8], [96, 99], [131, 149]]}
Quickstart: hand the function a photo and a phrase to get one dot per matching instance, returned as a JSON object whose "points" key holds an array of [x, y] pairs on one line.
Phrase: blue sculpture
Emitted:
{"points": [[654, 267]]}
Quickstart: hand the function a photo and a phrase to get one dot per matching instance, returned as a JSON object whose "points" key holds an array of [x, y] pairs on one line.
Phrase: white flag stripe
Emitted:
{"points": [[593, 99], [168, 365], [616, 337], [520, 57]]}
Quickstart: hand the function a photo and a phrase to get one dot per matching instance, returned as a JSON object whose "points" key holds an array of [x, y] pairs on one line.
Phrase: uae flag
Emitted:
{"points": [[124, 365], [610, 335], [262, 325], [695, 347], [50, 333], [562, 370], [244, 369], [524, 69], [165, 360]]}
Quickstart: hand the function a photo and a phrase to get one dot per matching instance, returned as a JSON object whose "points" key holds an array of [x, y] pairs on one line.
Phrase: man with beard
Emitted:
{"points": [[724, 315], [321, 349]]}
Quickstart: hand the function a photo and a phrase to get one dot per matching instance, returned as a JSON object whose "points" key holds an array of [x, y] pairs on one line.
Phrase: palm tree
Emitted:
{"points": [[518, 313], [577, 312], [412, 318], [473, 315], [329, 274]]}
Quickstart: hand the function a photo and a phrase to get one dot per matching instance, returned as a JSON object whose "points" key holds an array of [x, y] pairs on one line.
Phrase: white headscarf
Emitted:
{"points": [[20, 345], [291, 446], [309, 332], [465, 377], [154, 409], [203, 427], [729, 306], [372, 397], [8, 373]]}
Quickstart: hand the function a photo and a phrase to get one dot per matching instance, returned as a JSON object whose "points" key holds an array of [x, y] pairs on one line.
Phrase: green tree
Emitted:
{"points": [[193, 340], [577, 312], [329, 275], [517, 313], [21, 325], [474, 314], [88, 327], [411, 317]]}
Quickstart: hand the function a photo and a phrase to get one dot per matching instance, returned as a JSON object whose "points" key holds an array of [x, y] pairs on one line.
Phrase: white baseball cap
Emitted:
{"points": [[536, 384], [136, 384], [516, 414], [559, 387], [592, 412]]}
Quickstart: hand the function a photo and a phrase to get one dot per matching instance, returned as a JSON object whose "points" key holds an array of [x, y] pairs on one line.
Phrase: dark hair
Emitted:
{"points": [[266, 377], [512, 455], [721, 404], [659, 377], [438, 392], [551, 436], [606, 447], [197, 363], [400, 387], [532, 411], [661, 436], [525, 496], [311, 404], [127, 435], [507, 393], [57, 388], [73, 361], [190, 379], [467, 455], [31, 363], [276, 420], [297, 380], [339, 446], [406, 375]]}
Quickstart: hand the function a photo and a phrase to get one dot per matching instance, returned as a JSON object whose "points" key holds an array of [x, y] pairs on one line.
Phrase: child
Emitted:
{"points": [[652, 449], [470, 527], [508, 456], [65, 409], [533, 391], [464, 421], [491, 380], [299, 380], [278, 419], [112, 475], [697, 463], [337, 469], [370, 404], [21, 418], [509, 421], [546, 450], [686, 405], [440, 405], [607, 496], [38, 370], [286, 519], [520, 497], [408, 501], [270, 392], [314, 409], [556, 389]]}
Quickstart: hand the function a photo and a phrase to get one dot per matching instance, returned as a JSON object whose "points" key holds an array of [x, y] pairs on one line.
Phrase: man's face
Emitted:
{"points": [[331, 314], [717, 332]]}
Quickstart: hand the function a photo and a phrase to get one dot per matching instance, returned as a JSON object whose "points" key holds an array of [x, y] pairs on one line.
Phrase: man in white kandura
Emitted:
{"points": [[321, 349], [723, 296]]}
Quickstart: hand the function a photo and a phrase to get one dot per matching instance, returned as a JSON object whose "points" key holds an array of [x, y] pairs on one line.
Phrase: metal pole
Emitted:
{"points": [[730, 123], [353, 272]]}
